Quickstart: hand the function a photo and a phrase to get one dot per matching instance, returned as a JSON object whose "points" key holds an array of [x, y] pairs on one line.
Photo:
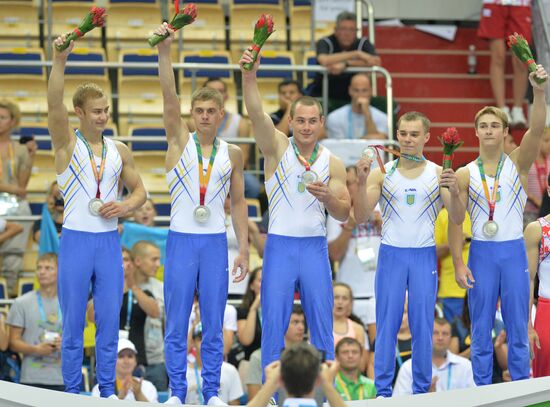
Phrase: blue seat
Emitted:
{"points": [[210, 57], [163, 209], [31, 130], [159, 132], [85, 55], [22, 54], [139, 56], [276, 58], [257, 2]]}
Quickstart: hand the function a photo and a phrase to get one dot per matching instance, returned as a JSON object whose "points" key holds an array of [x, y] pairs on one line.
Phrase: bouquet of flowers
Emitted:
{"points": [[95, 18], [520, 48], [450, 140], [262, 30], [181, 19]]}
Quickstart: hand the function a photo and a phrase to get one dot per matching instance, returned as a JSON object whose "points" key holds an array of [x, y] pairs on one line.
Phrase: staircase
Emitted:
{"points": [[430, 75]]}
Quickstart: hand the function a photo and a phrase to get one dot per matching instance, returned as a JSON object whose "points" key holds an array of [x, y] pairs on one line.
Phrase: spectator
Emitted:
{"points": [[35, 329], [350, 383], [15, 171], [4, 334], [355, 247], [8, 230], [537, 180], [256, 236], [289, 91], [137, 304], [53, 216], [249, 315], [358, 119], [146, 257], [509, 144], [231, 389], [450, 294], [450, 372], [343, 326], [229, 325], [298, 372], [461, 340], [498, 21], [294, 335], [128, 386], [145, 214], [233, 125], [338, 51]]}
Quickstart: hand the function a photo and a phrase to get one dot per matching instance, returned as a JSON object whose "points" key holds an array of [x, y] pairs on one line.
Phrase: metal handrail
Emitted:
{"points": [[194, 67]]}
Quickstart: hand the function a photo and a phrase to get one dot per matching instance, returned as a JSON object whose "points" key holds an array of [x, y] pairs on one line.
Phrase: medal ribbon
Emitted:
{"points": [[303, 161], [378, 147], [43, 313], [11, 167], [491, 200], [97, 175], [345, 389], [204, 179]]}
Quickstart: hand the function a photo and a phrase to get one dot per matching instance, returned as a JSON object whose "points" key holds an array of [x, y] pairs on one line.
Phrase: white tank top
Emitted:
{"points": [[544, 260], [410, 207], [78, 186], [511, 198], [294, 213], [232, 128], [183, 184]]}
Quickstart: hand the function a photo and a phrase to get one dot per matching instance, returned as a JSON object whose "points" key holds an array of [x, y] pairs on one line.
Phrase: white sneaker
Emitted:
{"points": [[506, 110], [518, 118], [174, 400], [113, 397], [215, 401]]}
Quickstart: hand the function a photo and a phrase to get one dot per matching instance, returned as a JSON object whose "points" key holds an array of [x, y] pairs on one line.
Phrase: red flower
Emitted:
{"points": [[191, 10], [98, 16], [265, 20], [451, 136]]}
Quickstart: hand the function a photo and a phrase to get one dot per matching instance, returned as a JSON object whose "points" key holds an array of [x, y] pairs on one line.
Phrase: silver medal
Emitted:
{"points": [[490, 228], [201, 213], [94, 205], [308, 177], [369, 152]]}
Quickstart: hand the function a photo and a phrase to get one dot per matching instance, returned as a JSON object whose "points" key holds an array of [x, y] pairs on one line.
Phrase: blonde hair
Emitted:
{"points": [[204, 94], [413, 116], [494, 111], [87, 91], [48, 257], [11, 107], [305, 101]]}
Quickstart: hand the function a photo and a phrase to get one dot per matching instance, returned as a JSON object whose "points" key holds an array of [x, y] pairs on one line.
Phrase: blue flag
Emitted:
{"points": [[49, 240], [134, 232]]}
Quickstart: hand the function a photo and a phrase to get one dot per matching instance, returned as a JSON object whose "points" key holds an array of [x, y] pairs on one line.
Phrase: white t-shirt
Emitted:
{"points": [[339, 121], [358, 266], [229, 318], [147, 388], [230, 384], [454, 373]]}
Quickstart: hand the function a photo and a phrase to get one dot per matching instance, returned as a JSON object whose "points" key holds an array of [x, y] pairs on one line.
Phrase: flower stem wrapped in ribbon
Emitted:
{"points": [[519, 46], [450, 140], [95, 18], [262, 30], [181, 19]]}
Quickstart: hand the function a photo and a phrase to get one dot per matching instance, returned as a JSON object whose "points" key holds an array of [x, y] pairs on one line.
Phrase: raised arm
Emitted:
{"points": [[132, 181], [239, 212], [525, 155], [335, 195], [533, 236], [177, 133], [369, 189], [269, 140], [58, 116]]}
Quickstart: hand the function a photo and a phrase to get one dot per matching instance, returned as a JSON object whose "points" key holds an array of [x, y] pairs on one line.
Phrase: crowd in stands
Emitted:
{"points": [[31, 331]]}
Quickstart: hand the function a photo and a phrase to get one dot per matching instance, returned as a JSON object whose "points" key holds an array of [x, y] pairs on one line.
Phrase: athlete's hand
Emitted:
{"points": [[464, 277], [241, 262], [533, 340], [162, 30], [363, 170], [320, 190], [114, 209], [247, 58], [328, 373], [449, 180]]}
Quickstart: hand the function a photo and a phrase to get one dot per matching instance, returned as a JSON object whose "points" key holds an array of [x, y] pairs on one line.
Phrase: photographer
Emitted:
{"points": [[35, 329]]}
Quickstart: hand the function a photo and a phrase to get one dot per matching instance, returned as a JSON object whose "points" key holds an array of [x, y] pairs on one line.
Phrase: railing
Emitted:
{"points": [[194, 67]]}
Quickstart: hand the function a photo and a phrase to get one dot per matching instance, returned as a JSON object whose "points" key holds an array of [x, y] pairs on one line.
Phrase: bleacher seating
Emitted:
{"points": [[24, 285], [149, 131], [20, 25]]}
